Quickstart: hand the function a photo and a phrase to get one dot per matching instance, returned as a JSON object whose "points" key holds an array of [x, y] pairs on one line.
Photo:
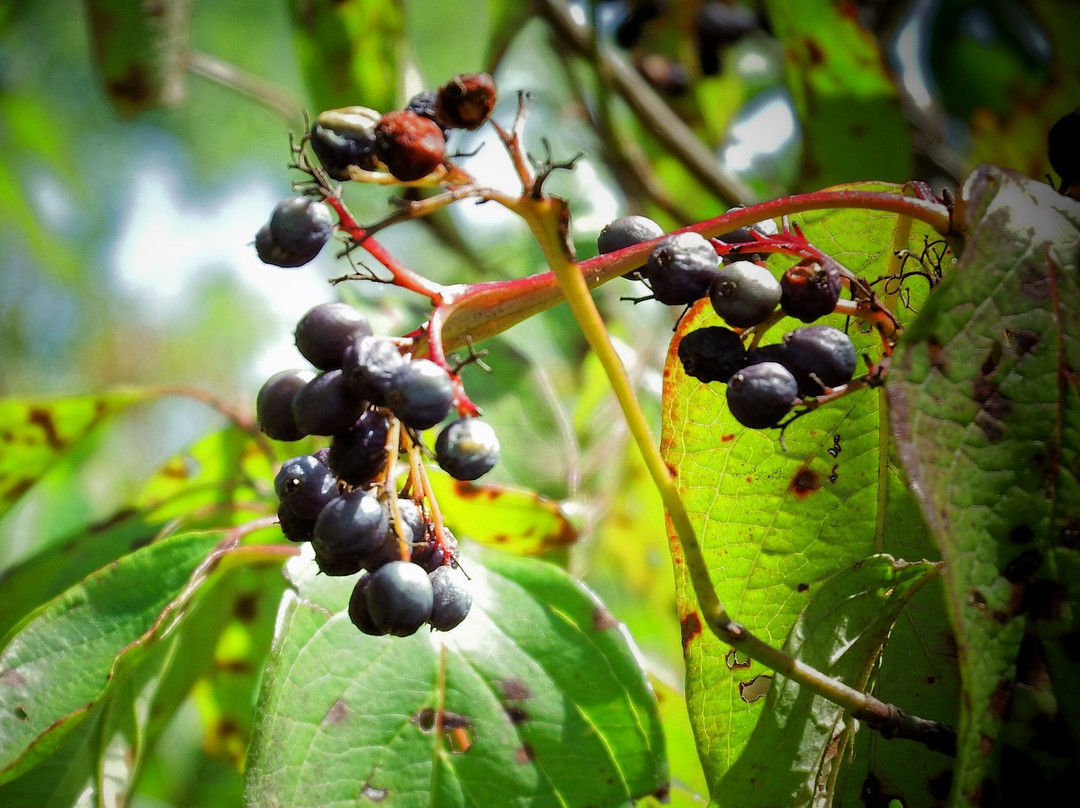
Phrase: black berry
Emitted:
{"points": [[681, 269], [627, 231], [711, 354], [451, 597], [294, 528], [467, 448], [432, 555], [326, 330], [349, 532], [819, 356], [326, 405], [358, 454], [298, 229], [420, 394], [359, 613], [809, 290], [305, 486], [273, 404], [399, 598], [744, 294], [759, 396], [369, 365], [1063, 148]]}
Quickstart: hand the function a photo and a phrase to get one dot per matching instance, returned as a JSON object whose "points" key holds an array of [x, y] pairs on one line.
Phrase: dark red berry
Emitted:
{"points": [[409, 145], [466, 101], [809, 290]]}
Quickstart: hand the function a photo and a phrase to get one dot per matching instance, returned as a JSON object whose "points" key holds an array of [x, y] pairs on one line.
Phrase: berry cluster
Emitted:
{"points": [[765, 382], [409, 143], [371, 400]]}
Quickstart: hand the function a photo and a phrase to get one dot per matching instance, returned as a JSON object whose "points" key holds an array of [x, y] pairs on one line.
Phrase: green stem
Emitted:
{"points": [[543, 220]]}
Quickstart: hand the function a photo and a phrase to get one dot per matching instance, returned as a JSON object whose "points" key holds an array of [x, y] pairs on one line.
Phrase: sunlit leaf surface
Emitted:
{"points": [[36, 434], [536, 699], [775, 522], [792, 755]]}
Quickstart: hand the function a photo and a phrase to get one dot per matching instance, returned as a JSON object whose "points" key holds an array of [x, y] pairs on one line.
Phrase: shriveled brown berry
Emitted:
{"points": [[466, 101], [409, 145]]}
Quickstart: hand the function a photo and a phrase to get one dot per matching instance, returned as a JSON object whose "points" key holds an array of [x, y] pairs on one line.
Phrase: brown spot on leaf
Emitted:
{"points": [[1023, 566], [517, 715], [729, 437], [18, 489], [44, 420], [337, 713], [13, 679], [21, 714], [1000, 698], [1045, 600], [1035, 283], [1021, 534], [515, 689], [246, 607], [525, 754], [991, 362], [814, 54], [663, 794], [802, 587], [691, 627], [805, 482], [227, 728], [977, 599], [602, 619], [234, 666], [1021, 341], [933, 347], [756, 688], [112, 521]]}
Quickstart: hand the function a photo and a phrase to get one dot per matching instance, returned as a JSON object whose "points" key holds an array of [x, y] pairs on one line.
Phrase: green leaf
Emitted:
{"points": [[840, 632], [512, 519], [349, 51], [66, 657], [210, 485], [536, 699], [775, 523], [36, 433], [141, 51], [985, 410], [852, 124]]}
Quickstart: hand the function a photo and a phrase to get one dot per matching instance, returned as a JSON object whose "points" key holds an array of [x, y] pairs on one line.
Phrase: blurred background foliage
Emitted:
{"points": [[140, 151]]}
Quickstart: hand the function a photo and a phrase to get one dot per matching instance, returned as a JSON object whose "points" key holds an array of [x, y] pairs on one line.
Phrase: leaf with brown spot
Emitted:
{"points": [[772, 517], [514, 520], [514, 704], [985, 410], [38, 433]]}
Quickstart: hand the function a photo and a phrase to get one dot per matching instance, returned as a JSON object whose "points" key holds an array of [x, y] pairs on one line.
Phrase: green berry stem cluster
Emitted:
{"points": [[404, 147]]}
